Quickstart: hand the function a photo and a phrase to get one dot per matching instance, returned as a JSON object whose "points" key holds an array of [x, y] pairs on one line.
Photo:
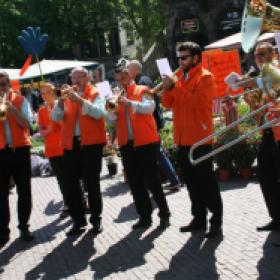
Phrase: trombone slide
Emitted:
{"points": [[235, 141]]}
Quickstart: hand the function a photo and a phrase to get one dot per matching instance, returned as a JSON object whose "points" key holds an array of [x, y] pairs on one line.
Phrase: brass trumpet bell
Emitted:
{"points": [[258, 16], [3, 108]]}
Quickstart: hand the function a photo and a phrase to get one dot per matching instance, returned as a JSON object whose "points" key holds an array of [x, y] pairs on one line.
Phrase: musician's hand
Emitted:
{"points": [[123, 100], [167, 82], [11, 109]]}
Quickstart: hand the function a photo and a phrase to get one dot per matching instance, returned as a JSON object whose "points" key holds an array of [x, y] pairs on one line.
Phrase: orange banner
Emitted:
{"points": [[221, 64]]}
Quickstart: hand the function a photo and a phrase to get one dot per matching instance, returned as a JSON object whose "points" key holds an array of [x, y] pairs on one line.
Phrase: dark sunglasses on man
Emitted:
{"points": [[183, 57]]}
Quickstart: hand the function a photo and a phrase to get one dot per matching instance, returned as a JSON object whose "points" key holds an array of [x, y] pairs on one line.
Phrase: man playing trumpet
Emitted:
{"points": [[137, 137], [190, 99], [14, 159], [81, 111]]}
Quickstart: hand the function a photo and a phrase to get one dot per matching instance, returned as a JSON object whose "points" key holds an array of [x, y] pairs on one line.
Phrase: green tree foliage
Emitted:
{"points": [[145, 16], [76, 29]]}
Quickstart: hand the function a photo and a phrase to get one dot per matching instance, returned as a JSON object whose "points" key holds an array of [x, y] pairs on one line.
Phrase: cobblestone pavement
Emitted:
{"points": [[119, 253]]}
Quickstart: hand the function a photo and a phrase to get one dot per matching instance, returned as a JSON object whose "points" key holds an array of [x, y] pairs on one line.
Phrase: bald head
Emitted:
{"points": [[134, 68]]}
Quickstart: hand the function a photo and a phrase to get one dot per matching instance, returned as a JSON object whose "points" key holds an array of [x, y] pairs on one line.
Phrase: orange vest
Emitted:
{"points": [[20, 136], [92, 131], [53, 145], [191, 103], [143, 125]]}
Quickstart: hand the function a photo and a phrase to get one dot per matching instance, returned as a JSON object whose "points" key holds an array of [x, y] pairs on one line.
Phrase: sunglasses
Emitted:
{"points": [[260, 54], [183, 57], [3, 84]]}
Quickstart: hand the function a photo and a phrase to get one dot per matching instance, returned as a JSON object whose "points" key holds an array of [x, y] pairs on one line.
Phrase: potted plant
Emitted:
{"points": [[224, 159], [243, 158], [112, 165]]}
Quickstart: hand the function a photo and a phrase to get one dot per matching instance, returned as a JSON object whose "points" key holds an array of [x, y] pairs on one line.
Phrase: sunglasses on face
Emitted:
{"points": [[183, 57]]}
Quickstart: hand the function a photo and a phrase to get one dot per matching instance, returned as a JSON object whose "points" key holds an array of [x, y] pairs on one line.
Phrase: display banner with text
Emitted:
{"points": [[221, 64]]}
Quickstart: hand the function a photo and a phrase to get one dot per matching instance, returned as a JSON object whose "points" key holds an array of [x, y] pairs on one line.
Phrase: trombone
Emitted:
{"points": [[270, 86], [235, 141]]}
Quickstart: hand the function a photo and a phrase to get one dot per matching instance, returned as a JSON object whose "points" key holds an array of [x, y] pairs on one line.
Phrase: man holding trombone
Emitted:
{"points": [[269, 152], [190, 99]]}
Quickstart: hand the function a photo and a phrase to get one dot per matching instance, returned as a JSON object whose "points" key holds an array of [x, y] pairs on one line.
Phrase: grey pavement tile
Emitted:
{"points": [[119, 253]]}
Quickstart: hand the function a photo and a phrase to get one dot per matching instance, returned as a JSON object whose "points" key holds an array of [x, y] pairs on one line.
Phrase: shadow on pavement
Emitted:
{"points": [[76, 256], [53, 208], [119, 188], [117, 257], [196, 260], [269, 265], [42, 235]]}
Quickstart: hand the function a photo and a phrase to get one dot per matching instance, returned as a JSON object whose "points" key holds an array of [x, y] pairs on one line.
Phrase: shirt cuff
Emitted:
{"points": [[85, 107]]}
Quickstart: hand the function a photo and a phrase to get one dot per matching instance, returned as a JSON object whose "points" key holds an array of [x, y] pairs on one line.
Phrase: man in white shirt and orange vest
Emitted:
{"points": [[14, 159], [83, 137], [137, 138]]}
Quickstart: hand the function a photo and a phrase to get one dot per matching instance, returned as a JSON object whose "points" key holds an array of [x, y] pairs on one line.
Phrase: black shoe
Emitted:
{"points": [[193, 226], [4, 239], [172, 188], [75, 230], [214, 231], [164, 223], [26, 235], [142, 224], [97, 228], [273, 225]]}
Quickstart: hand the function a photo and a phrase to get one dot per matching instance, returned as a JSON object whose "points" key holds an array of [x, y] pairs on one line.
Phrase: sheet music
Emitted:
{"points": [[164, 67], [104, 90]]}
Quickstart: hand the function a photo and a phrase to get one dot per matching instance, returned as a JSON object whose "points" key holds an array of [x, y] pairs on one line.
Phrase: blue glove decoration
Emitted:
{"points": [[32, 41]]}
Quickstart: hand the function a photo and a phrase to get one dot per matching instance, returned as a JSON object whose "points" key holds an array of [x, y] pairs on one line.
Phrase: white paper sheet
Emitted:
{"points": [[164, 67], [104, 89], [277, 40], [231, 80]]}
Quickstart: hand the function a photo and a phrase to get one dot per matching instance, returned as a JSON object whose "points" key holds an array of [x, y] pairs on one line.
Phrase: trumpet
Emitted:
{"points": [[65, 90], [159, 87], [112, 103], [3, 108]]}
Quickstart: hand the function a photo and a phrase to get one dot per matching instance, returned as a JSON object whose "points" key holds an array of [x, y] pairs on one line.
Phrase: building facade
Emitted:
{"points": [[202, 21]]}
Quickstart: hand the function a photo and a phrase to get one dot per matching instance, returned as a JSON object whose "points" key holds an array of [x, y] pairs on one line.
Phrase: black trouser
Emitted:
{"points": [[57, 164], [202, 185], [140, 165], [16, 163], [268, 173], [85, 161]]}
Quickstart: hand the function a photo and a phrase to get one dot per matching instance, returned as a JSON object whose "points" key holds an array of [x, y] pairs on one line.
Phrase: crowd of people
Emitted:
{"points": [[74, 130]]}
